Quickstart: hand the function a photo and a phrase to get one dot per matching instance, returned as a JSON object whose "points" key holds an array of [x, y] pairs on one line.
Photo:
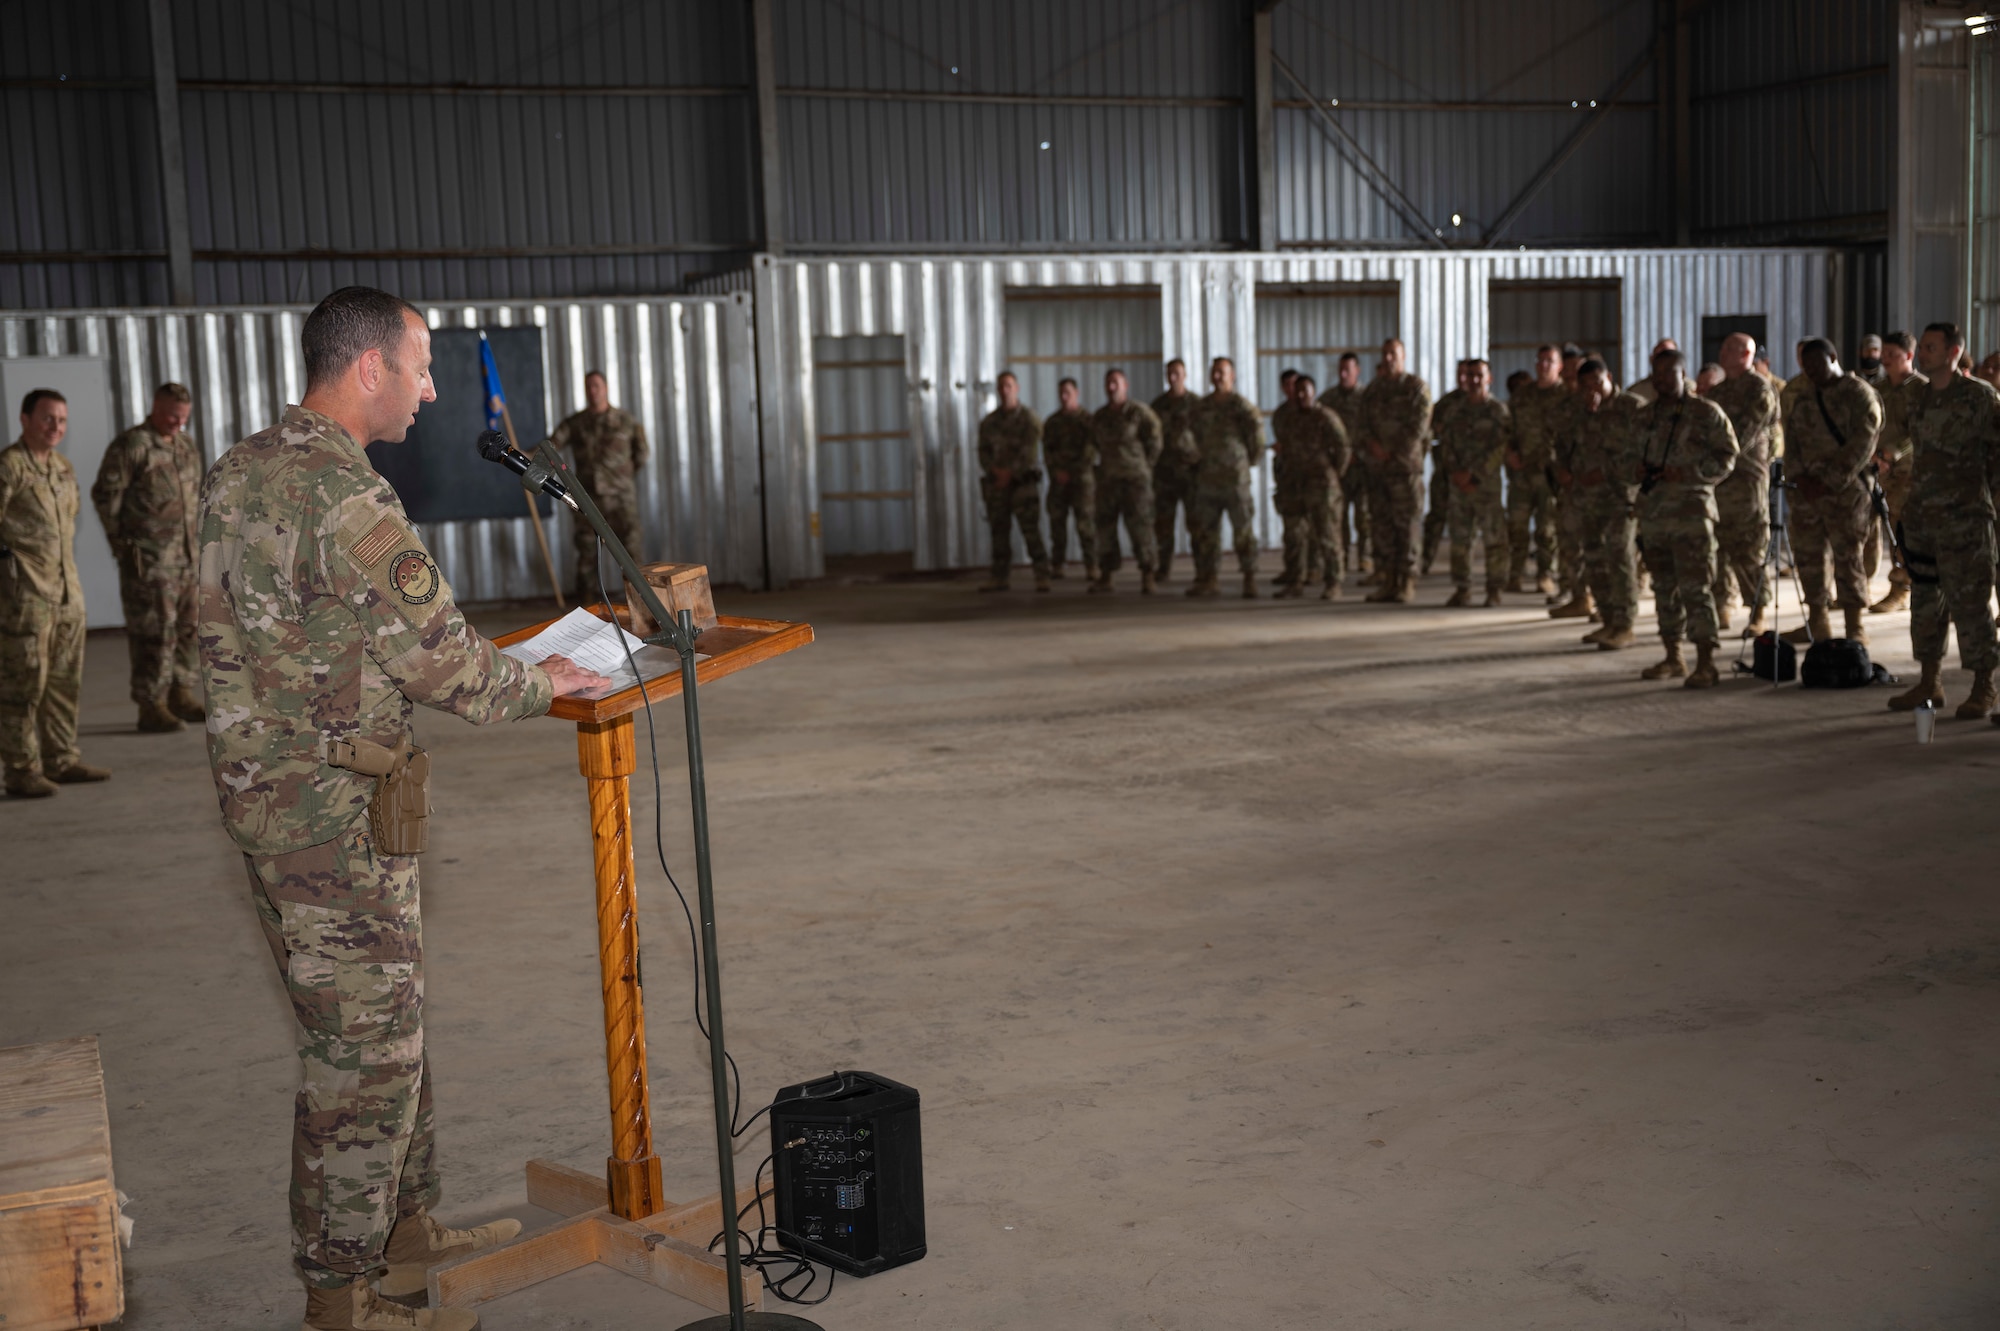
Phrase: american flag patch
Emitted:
{"points": [[378, 542]]}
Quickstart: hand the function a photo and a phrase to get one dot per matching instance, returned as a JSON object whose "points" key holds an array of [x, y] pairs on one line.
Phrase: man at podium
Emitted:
{"points": [[323, 620]]}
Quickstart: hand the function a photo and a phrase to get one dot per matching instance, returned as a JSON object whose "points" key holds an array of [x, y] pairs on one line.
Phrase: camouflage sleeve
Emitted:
{"points": [[376, 565], [1506, 437], [1862, 426], [107, 494], [563, 437], [1150, 436], [640, 449], [1338, 451], [1715, 443], [1251, 422], [986, 444], [1763, 410]]}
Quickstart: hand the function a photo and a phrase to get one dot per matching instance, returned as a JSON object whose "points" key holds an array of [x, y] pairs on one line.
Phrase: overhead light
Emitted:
{"points": [[1572, 106], [1045, 145], [1593, 103], [954, 69], [1333, 101], [1456, 220]]}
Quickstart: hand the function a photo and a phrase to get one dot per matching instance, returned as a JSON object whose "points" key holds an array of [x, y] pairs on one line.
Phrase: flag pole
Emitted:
{"points": [[496, 396]]}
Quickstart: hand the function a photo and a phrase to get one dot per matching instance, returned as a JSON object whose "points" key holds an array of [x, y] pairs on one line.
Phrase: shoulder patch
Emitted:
{"points": [[370, 548], [414, 576]]}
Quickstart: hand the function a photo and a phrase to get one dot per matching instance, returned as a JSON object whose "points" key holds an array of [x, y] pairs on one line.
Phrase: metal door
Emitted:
{"points": [[862, 400]]}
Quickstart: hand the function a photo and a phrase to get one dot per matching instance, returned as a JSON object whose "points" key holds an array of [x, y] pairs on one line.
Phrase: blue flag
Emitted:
{"points": [[496, 397]]}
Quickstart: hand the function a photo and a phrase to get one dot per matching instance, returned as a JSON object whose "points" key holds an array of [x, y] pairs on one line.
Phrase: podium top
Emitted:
{"points": [[733, 644]]}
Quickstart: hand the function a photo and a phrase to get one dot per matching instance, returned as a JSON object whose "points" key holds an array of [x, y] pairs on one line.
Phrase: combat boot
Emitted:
{"points": [[1249, 586], [1460, 596], [357, 1307], [1817, 628], [1722, 615], [1897, 599], [1514, 586], [1403, 590], [1851, 620], [993, 585], [1147, 581], [1492, 594], [183, 702], [1330, 592], [1927, 690], [1042, 582], [1545, 584], [418, 1243], [1615, 637], [1705, 675], [1756, 624], [1290, 591], [1101, 586], [1595, 634], [1980, 701], [155, 719], [1580, 606], [1204, 587], [1669, 667], [29, 785], [77, 774], [1056, 571]]}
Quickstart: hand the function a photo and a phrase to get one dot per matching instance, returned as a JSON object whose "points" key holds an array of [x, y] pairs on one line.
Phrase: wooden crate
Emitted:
{"points": [[60, 1263]]}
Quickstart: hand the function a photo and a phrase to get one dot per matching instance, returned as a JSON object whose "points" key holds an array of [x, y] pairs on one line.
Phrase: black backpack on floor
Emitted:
{"points": [[1836, 663], [1772, 658]]}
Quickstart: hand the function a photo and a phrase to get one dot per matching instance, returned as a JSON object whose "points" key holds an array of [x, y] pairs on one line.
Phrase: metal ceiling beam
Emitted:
{"points": [[770, 162], [1263, 232], [173, 163], [1380, 181], [1569, 146]]}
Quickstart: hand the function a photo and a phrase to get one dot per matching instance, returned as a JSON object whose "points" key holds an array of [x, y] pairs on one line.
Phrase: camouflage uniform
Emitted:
{"points": [[41, 613], [1229, 437], [1831, 457], [1011, 441], [1474, 437], [1285, 499], [1314, 446], [1597, 449], [1690, 436], [1531, 495], [1128, 443], [1396, 417], [1948, 519], [1173, 474], [146, 494], [609, 449], [1437, 503], [1346, 404], [1743, 500], [1894, 443], [322, 618], [1069, 445]]}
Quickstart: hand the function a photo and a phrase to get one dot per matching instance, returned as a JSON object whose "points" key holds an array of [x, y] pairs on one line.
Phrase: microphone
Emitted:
{"points": [[493, 446]]}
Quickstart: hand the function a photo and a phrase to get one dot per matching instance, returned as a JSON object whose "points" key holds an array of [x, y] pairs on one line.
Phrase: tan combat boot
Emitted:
{"points": [[1705, 675], [1722, 615], [1980, 701], [1927, 689], [356, 1307], [1615, 637], [1756, 624], [993, 585], [29, 785], [418, 1243], [1897, 599], [1670, 666], [1204, 587], [1817, 628], [1460, 596], [1492, 594], [1545, 584], [1514, 586], [1851, 621], [1042, 582], [155, 719], [1249, 586], [185, 703], [79, 773], [1099, 586], [1580, 606], [1330, 592], [1148, 580]]}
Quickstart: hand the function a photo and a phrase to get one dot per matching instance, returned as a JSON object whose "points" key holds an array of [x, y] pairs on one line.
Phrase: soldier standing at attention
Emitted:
{"points": [[1344, 401], [147, 491], [1069, 452], [609, 448], [323, 621], [1128, 444], [1954, 425], [1892, 452], [1599, 471], [1315, 448], [1010, 446], [1284, 489], [1831, 432], [1685, 449], [1743, 499], [1173, 474], [1531, 498], [1473, 437], [1395, 422], [1437, 497], [1230, 439], [41, 606]]}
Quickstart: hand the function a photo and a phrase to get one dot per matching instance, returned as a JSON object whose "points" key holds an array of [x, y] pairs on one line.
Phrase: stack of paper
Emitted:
{"points": [[593, 643]]}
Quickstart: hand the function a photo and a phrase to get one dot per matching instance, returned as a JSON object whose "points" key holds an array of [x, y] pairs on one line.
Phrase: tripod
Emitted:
{"points": [[1777, 555]]}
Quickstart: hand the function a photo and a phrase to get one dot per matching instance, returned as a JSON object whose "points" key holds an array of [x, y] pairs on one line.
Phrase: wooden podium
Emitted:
{"points": [[622, 1219]]}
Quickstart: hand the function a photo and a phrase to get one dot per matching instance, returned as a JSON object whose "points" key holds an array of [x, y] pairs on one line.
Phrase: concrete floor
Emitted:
{"points": [[1260, 964]]}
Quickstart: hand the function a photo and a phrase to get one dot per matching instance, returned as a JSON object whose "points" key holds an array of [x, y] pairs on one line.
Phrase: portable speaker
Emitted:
{"points": [[847, 1164]]}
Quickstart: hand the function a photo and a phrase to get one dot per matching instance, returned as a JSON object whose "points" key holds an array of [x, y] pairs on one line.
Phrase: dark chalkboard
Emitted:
{"points": [[437, 472]]}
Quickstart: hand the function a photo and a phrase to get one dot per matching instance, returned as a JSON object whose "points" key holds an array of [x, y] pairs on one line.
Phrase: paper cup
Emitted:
{"points": [[1926, 723]]}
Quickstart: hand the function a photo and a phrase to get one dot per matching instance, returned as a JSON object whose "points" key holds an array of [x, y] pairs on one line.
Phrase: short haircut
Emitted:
{"points": [[1347, 356], [1671, 356], [1480, 360], [1305, 379], [1117, 371], [1388, 342], [347, 325], [1517, 379], [1067, 382], [1287, 373], [1821, 345], [1177, 361], [1591, 365], [1222, 360], [1949, 331], [588, 375], [1548, 346], [178, 392], [1903, 340], [1008, 374], [35, 396], [1708, 366]]}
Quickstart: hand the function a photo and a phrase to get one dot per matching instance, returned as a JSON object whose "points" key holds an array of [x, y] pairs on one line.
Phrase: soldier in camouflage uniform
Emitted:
{"points": [[1229, 436], [1831, 434], [1069, 453], [1344, 401], [323, 620], [1313, 444], [1437, 497], [1743, 500], [1128, 444], [41, 606], [1685, 448], [1893, 457], [1531, 499], [1474, 431], [1598, 470], [1395, 422], [608, 446], [1948, 540], [146, 491], [1010, 447], [1868, 363], [1173, 474], [1284, 490]]}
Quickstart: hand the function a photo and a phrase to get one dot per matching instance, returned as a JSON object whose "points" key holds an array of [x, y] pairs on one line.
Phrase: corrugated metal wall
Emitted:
{"points": [[683, 366], [1527, 315], [863, 411], [1943, 111], [1984, 330]]}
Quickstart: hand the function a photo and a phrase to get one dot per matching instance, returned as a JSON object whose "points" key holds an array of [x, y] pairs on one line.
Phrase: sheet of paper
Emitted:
{"points": [[591, 642]]}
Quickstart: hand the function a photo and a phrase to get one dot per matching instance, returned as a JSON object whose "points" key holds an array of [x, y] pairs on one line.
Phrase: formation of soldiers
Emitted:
{"points": [[1669, 482]]}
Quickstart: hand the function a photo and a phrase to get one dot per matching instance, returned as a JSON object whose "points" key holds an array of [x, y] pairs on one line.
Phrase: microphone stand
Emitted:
{"points": [[679, 633]]}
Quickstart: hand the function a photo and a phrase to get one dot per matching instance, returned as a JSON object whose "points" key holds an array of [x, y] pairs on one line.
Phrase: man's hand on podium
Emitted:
{"points": [[569, 677]]}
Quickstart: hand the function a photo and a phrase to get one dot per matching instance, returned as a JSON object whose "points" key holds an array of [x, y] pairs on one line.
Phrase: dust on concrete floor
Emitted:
{"points": [[1261, 964]]}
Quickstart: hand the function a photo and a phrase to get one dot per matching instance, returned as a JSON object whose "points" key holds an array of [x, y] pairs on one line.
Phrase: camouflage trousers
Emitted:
{"points": [[621, 514], [1570, 576], [1354, 521], [1211, 503], [1020, 504], [1395, 505], [1951, 586], [1830, 530], [1680, 554], [1531, 501], [1173, 488], [1609, 557], [41, 679], [1075, 498], [1130, 498], [1437, 509], [1477, 511], [344, 926], [1742, 537], [1312, 538], [1895, 491], [159, 624]]}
